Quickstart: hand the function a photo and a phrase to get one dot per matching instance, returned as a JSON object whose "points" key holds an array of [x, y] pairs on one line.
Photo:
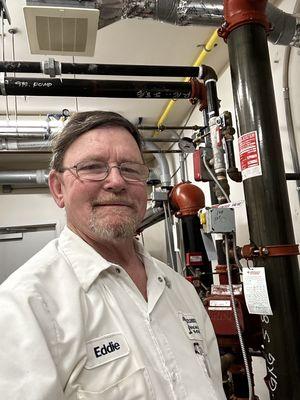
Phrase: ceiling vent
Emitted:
{"points": [[61, 30]]}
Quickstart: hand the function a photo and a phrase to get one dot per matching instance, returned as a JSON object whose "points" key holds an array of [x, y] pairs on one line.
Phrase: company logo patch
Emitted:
{"points": [[106, 349], [190, 326]]}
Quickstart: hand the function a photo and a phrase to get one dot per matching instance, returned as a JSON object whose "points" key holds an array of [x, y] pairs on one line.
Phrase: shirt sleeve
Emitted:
{"points": [[28, 348]]}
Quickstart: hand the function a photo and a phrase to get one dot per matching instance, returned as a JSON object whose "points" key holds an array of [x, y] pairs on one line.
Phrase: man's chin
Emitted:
{"points": [[114, 229]]}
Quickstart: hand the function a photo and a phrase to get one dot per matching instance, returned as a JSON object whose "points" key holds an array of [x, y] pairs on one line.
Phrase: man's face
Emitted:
{"points": [[101, 210]]}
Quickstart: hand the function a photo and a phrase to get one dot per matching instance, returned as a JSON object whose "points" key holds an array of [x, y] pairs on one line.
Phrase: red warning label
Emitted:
{"points": [[249, 155]]}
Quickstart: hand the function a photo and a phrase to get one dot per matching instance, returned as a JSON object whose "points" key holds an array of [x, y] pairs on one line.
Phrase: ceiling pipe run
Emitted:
{"points": [[285, 27], [98, 69], [16, 144], [95, 88], [34, 177]]}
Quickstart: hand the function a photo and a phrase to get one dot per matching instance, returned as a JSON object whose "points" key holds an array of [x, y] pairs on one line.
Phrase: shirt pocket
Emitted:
{"points": [[202, 357], [136, 386]]}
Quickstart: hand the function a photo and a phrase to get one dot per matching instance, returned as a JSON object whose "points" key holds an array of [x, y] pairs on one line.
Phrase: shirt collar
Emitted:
{"points": [[86, 262]]}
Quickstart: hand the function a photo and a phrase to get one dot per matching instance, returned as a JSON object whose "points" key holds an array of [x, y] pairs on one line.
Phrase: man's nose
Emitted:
{"points": [[114, 179]]}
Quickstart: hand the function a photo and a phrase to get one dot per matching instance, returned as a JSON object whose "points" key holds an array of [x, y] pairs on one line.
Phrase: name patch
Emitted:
{"points": [[106, 349], [190, 326]]}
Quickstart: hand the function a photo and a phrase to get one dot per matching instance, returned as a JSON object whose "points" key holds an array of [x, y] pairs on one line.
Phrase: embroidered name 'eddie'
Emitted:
{"points": [[105, 349], [190, 326]]}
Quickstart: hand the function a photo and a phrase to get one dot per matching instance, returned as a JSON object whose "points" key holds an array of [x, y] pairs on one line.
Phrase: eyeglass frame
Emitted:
{"points": [[108, 170]]}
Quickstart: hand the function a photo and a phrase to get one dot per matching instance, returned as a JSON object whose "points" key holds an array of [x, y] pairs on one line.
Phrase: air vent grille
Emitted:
{"points": [[68, 31]]}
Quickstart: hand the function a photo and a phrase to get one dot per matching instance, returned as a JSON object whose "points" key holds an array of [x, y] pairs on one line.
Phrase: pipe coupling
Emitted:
{"points": [[243, 12]]}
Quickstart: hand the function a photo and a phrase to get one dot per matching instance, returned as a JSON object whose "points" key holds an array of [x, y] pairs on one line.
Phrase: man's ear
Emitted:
{"points": [[55, 185]]}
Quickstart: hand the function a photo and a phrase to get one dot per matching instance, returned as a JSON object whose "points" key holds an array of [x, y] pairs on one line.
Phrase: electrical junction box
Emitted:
{"points": [[217, 220]]}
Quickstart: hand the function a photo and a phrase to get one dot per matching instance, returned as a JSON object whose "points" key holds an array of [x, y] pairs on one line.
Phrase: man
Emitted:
{"points": [[92, 316]]}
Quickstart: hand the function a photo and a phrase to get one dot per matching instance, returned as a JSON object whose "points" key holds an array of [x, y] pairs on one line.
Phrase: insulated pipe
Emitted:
{"points": [[267, 203], [285, 27], [23, 135], [165, 177], [95, 88], [10, 144], [37, 177]]}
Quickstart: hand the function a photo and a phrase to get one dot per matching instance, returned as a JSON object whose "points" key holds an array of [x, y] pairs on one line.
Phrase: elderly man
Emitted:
{"points": [[92, 316]]}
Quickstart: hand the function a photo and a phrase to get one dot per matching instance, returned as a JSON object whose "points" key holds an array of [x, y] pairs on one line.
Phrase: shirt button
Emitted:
{"points": [[160, 279], [118, 270]]}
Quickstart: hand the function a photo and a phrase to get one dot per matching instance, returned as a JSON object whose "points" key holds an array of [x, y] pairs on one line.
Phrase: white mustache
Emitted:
{"points": [[116, 202]]}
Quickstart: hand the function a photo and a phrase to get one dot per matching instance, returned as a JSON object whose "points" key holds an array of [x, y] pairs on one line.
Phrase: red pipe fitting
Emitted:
{"points": [[198, 93], [242, 12], [186, 199]]}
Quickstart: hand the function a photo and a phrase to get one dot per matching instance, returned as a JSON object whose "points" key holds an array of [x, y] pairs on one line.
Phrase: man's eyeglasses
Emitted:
{"points": [[99, 170]]}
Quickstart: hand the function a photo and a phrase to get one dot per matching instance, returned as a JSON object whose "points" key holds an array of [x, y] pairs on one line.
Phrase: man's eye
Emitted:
{"points": [[92, 167], [130, 170]]}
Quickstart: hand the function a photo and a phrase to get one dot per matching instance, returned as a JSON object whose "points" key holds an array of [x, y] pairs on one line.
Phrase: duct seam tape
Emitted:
{"points": [[40, 177], [12, 145]]}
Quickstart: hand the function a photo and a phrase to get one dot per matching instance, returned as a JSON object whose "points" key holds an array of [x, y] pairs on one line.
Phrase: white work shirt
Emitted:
{"points": [[74, 326]]}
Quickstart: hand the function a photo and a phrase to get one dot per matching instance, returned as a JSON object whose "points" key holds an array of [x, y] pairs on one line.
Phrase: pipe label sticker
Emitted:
{"points": [[249, 155], [256, 291]]}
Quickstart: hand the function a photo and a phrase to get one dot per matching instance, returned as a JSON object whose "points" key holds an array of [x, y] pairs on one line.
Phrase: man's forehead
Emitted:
{"points": [[106, 139]]}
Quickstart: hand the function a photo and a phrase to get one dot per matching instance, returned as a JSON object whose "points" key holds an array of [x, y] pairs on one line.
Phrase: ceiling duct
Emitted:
{"points": [[285, 27], [58, 27], [69, 27]]}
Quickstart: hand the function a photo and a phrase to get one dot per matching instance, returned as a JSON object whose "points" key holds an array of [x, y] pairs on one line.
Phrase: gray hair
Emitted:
{"points": [[82, 122]]}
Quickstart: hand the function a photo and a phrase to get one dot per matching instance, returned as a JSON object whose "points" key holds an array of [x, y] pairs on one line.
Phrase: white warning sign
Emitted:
{"points": [[249, 155]]}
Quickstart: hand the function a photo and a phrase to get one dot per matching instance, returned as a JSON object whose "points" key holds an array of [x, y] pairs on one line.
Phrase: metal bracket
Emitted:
{"points": [[51, 68], [249, 251]]}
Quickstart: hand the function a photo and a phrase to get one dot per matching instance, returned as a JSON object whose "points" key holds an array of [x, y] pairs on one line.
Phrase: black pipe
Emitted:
{"points": [[101, 69], [193, 242], [267, 204], [292, 177], [212, 98], [232, 170], [166, 128], [96, 88]]}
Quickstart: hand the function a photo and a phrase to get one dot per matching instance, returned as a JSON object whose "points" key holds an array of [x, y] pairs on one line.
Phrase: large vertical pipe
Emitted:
{"points": [[267, 203]]}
